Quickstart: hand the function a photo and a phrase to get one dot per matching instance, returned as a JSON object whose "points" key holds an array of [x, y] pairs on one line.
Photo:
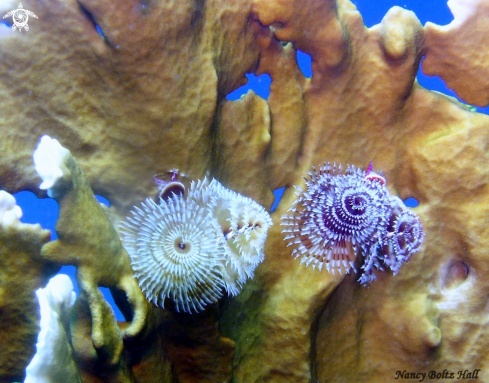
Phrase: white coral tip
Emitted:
{"points": [[48, 159], [58, 295], [53, 357], [462, 9], [10, 213]]}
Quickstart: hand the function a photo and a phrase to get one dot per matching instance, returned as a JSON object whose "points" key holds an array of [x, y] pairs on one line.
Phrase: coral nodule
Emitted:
{"points": [[343, 214], [189, 248]]}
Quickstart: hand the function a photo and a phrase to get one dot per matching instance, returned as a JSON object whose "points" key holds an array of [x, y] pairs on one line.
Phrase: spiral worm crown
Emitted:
{"points": [[340, 215], [191, 248], [174, 254], [405, 236]]}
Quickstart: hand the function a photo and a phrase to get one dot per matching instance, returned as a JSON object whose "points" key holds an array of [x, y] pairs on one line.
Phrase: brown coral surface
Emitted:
{"points": [[149, 97], [138, 101], [22, 272]]}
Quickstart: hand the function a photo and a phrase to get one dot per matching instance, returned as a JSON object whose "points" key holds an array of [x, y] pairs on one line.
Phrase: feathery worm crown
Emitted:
{"points": [[189, 248], [173, 253], [341, 214], [241, 227]]}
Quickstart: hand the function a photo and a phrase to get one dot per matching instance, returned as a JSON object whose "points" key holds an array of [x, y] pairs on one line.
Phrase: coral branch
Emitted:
{"points": [[457, 52], [22, 271], [87, 239], [53, 361]]}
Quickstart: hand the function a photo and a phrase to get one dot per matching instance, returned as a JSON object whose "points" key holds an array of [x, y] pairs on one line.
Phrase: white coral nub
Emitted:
{"points": [[461, 11], [10, 213], [53, 360], [48, 161]]}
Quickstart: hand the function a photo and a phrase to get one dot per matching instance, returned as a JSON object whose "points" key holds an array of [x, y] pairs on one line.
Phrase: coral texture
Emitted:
{"points": [[462, 66], [147, 94], [22, 272]]}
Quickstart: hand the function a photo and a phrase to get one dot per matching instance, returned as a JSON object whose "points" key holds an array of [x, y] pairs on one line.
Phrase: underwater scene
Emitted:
{"points": [[244, 191]]}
